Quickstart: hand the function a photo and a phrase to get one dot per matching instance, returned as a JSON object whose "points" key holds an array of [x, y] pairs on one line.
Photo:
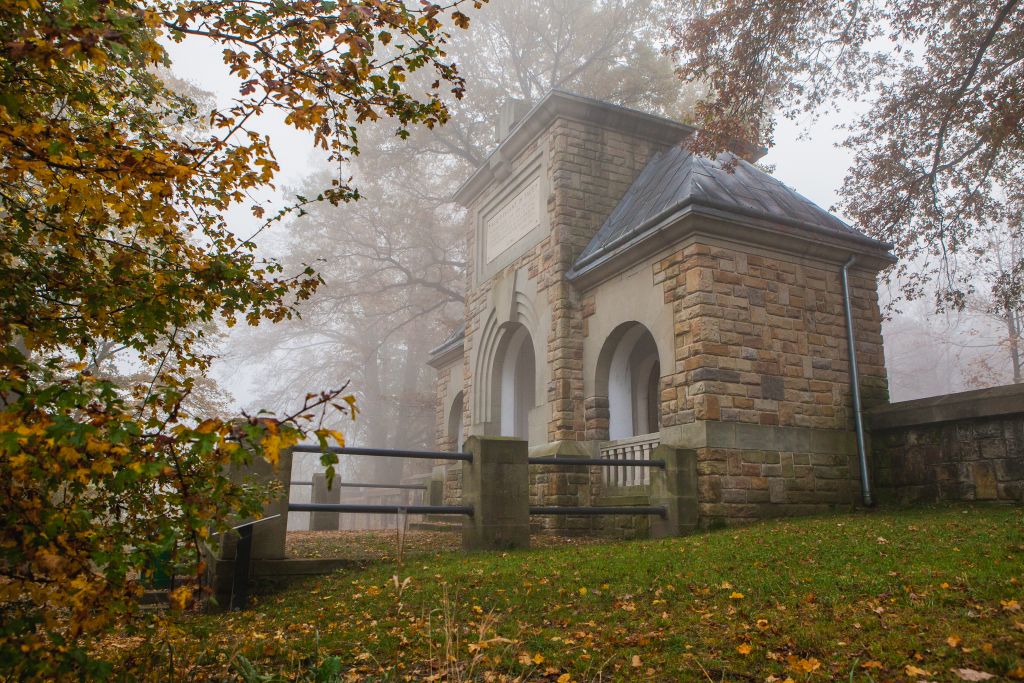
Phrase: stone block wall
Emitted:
{"points": [[761, 338], [443, 441], [589, 168], [965, 446], [592, 167], [747, 471]]}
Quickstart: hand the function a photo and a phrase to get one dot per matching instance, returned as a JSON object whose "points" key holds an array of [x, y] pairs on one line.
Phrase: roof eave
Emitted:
{"points": [[446, 353], [663, 230]]}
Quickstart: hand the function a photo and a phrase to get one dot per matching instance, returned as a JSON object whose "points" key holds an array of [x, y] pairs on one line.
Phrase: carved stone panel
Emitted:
{"points": [[513, 221]]}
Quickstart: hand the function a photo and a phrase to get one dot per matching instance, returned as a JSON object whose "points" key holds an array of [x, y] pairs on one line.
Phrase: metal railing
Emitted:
{"points": [[627, 457], [642, 464], [383, 508], [358, 485], [392, 498], [384, 452]]}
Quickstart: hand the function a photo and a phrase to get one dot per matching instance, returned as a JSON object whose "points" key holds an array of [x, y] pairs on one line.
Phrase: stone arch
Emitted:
{"points": [[495, 335], [627, 383], [513, 381], [455, 422]]}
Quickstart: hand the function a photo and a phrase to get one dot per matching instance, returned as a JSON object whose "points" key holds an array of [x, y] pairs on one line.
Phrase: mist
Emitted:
{"points": [[393, 263]]}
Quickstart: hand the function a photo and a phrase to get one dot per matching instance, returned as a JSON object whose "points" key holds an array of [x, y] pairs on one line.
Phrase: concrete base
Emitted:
{"points": [[496, 484], [675, 487], [324, 521]]}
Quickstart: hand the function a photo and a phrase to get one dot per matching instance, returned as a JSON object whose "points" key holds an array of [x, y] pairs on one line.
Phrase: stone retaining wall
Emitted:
{"points": [[965, 446]]}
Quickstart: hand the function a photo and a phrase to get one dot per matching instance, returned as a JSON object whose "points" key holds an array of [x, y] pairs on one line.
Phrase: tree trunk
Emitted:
{"points": [[1013, 331]]}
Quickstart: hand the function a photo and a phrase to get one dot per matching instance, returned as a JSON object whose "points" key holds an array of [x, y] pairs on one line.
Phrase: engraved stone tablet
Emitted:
{"points": [[513, 221]]}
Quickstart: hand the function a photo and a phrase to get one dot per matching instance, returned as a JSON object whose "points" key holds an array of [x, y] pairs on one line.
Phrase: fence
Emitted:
{"points": [[627, 451], [496, 504]]}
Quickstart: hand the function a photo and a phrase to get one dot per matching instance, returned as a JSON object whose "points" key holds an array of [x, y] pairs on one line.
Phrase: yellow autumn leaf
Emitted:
{"points": [[744, 648], [207, 426], [953, 641], [635, 662], [538, 658], [565, 678], [912, 670], [272, 448], [804, 666], [180, 597], [736, 596]]}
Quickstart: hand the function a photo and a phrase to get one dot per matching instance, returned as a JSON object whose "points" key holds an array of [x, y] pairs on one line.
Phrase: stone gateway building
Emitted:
{"points": [[623, 293]]}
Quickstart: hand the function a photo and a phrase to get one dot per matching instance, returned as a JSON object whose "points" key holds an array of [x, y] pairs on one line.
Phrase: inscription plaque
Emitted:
{"points": [[513, 221]]}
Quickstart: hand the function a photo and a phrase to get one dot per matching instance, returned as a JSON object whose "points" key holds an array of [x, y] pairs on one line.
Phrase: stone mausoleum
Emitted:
{"points": [[624, 293]]}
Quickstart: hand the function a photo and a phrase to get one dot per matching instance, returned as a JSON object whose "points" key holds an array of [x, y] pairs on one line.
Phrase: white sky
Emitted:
{"points": [[812, 164]]}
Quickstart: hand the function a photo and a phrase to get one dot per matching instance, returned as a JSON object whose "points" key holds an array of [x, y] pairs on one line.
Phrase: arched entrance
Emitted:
{"points": [[514, 382], [628, 377], [455, 431]]}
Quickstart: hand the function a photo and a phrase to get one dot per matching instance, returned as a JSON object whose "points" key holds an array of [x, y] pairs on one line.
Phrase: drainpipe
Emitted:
{"points": [[858, 419]]}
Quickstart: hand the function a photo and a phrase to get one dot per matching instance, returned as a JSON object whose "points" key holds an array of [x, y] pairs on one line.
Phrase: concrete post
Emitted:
{"points": [[675, 487], [435, 486], [268, 539], [324, 521], [496, 483]]}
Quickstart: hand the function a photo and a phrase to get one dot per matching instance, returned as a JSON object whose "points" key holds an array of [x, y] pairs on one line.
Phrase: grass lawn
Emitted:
{"points": [[891, 595]]}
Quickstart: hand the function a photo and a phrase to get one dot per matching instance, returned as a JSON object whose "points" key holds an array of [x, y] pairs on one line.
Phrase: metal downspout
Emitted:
{"points": [[865, 481]]}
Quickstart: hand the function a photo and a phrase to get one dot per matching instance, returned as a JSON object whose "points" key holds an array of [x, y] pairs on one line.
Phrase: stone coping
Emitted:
{"points": [[747, 436], [717, 434], [965, 405]]}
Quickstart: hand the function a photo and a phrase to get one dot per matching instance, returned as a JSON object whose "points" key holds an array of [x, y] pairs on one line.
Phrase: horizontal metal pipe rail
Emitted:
{"points": [[600, 462], [382, 509], [617, 510], [384, 452], [356, 485]]}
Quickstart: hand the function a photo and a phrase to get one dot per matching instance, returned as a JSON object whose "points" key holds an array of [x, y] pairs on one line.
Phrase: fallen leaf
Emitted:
{"points": [[972, 675], [804, 666], [912, 670], [871, 664], [953, 641], [635, 662], [736, 596]]}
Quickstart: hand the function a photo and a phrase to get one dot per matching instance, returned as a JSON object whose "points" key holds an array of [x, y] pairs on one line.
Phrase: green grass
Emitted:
{"points": [[857, 597]]}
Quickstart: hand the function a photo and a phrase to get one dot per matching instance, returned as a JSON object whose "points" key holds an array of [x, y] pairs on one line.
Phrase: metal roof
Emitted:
{"points": [[676, 178], [453, 341]]}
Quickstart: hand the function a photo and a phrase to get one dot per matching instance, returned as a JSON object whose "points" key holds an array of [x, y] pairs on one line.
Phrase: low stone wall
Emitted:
{"points": [[964, 446], [747, 472]]}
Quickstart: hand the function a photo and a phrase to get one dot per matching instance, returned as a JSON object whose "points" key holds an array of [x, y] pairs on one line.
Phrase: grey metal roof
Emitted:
{"points": [[453, 341], [676, 178]]}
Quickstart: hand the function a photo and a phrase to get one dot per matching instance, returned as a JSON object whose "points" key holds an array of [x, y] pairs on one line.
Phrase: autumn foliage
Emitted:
{"points": [[938, 152], [114, 191]]}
